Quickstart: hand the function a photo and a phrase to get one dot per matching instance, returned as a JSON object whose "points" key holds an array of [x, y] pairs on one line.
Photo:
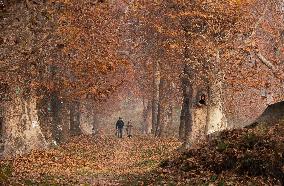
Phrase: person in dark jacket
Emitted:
{"points": [[202, 100], [119, 127]]}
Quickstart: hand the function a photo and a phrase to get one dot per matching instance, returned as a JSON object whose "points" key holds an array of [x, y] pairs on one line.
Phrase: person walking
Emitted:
{"points": [[119, 127], [129, 129]]}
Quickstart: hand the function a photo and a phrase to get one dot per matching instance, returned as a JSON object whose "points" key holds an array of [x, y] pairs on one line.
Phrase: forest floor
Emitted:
{"points": [[88, 160], [250, 156]]}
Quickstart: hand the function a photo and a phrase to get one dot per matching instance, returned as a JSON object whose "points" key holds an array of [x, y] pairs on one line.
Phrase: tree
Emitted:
{"points": [[48, 56]]}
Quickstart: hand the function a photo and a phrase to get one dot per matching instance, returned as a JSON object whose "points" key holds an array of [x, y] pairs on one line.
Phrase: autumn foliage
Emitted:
{"points": [[65, 63]]}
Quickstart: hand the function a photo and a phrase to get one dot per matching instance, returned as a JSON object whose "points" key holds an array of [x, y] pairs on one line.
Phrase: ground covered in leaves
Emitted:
{"points": [[87, 160], [251, 156]]}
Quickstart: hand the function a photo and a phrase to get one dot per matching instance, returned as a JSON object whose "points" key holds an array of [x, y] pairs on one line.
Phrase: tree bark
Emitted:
{"points": [[216, 119], [56, 107], [182, 123], [147, 127], [186, 114], [95, 129], [170, 115], [45, 118], [163, 108], [75, 118], [1, 129], [188, 118], [54, 117], [65, 121], [155, 96], [86, 116], [22, 131]]}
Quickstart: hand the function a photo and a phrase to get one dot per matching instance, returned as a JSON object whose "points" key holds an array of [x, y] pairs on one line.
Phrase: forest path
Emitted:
{"points": [[88, 160]]}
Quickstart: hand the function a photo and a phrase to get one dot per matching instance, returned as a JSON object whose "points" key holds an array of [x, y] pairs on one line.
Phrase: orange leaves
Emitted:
{"points": [[233, 158], [77, 161], [241, 2], [93, 90], [159, 28], [106, 68], [193, 13], [90, 34], [174, 45]]}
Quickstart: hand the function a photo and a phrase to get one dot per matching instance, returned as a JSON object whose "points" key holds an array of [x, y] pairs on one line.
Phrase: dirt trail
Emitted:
{"points": [[87, 160]]}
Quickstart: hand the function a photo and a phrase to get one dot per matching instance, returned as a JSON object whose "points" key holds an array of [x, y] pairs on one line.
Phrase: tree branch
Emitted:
{"points": [[266, 61], [276, 71]]}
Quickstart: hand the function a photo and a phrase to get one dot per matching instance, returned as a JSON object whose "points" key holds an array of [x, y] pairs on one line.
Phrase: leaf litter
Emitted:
{"points": [[249, 156], [87, 160]]}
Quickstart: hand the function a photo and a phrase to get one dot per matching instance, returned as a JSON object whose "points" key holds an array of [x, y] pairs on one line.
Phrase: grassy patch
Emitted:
{"points": [[249, 140], [222, 146]]}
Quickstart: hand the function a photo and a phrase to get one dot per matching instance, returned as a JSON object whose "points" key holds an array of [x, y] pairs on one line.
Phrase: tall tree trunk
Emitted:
{"points": [[155, 97], [75, 118], [95, 129], [216, 119], [158, 126], [56, 107], [45, 118], [162, 109], [22, 131], [187, 120], [86, 116], [163, 120], [186, 114], [147, 127], [65, 121], [54, 117], [44, 104], [199, 115], [1, 127], [143, 123], [182, 122], [170, 114], [148, 117]]}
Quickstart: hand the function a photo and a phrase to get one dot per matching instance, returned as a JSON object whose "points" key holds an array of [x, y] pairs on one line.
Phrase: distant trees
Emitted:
{"points": [[154, 49], [199, 48]]}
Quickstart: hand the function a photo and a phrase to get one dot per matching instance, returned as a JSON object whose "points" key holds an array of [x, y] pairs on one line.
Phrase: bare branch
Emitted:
{"points": [[278, 73], [265, 61]]}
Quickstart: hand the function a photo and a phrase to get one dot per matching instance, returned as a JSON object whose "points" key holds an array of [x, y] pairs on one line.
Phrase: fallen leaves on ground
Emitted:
{"points": [[251, 156], [87, 160]]}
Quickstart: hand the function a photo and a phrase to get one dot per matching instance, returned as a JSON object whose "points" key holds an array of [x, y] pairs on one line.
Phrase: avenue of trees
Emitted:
{"points": [[62, 61]]}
